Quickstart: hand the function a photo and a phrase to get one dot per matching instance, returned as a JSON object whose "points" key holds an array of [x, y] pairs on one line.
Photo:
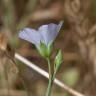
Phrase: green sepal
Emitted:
{"points": [[49, 49], [42, 49], [45, 51]]}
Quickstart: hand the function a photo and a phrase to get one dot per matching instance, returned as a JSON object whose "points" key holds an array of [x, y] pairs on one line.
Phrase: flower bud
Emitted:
{"points": [[58, 60]]}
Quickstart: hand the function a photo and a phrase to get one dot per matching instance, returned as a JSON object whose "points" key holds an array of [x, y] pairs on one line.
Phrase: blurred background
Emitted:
{"points": [[77, 39]]}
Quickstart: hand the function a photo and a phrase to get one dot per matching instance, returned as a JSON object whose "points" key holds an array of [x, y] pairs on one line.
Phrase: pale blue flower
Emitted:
{"points": [[45, 34]]}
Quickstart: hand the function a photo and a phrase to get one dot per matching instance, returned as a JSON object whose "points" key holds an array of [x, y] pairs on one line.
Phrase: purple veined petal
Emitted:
{"points": [[50, 31], [31, 35], [54, 30], [44, 33]]}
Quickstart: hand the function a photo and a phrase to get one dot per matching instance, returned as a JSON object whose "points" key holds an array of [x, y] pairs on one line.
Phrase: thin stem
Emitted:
{"points": [[51, 79], [49, 67], [48, 93]]}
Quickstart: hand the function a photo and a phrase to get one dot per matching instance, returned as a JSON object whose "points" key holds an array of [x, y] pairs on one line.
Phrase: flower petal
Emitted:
{"points": [[49, 32], [31, 35], [54, 30], [44, 32]]}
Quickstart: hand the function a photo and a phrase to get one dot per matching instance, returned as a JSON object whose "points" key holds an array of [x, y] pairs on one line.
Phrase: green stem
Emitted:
{"points": [[48, 93], [51, 78], [49, 67]]}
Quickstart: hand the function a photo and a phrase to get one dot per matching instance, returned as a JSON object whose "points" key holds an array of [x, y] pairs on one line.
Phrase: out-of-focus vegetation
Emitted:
{"points": [[77, 39]]}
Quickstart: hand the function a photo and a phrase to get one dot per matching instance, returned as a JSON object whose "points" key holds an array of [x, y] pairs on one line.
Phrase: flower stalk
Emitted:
{"points": [[52, 75], [48, 92]]}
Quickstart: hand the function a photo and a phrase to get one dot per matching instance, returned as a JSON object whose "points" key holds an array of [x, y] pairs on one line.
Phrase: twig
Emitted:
{"points": [[45, 74]]}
